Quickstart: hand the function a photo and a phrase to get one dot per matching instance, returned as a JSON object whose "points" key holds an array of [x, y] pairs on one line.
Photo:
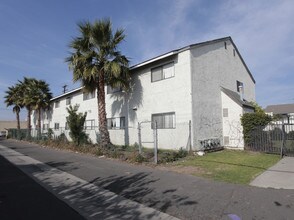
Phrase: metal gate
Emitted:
{"points": [[275, 138]]}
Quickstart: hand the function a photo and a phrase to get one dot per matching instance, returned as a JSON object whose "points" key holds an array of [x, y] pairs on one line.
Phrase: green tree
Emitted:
{"points": [[40, 96], [250, 121], [75, 122], [27, 102], [257, 108], [96, 62], [13, 98]]}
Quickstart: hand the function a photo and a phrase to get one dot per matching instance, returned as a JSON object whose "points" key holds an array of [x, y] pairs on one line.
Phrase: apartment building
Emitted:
{"points": [[207, 84]]}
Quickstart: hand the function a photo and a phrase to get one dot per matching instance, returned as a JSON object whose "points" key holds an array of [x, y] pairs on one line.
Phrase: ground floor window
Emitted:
{"points": [[45, 126], [116, 123], [89, 124], [164, 120], [56, 126]]}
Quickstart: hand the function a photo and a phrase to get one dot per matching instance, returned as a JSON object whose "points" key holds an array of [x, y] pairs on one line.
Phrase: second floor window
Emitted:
{"points": [[240, 86], [57, 104], [116, 123], [68, 100], [88, 95], [111, 90], [162, 72]]}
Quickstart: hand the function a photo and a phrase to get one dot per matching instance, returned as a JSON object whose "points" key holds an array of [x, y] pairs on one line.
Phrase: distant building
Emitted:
{"points": [[282, 109], [207, 84], [5, 125], [285, 111]]}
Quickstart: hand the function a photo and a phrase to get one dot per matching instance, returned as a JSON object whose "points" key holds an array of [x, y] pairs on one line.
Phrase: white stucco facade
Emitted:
{"points": [[189, 90]]}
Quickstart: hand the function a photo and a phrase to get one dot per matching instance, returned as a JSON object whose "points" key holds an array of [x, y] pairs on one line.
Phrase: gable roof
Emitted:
{"points": [[280, 109], [174, 52], [236, 98]]}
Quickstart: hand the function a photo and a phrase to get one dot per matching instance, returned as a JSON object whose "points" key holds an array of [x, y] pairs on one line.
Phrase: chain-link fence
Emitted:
{"points": [[146, 134], [151, 135]]}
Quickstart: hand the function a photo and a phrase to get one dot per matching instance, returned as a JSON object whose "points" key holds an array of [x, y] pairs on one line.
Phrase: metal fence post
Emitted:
{"points": [[155, 142], [190, 136], [139, 137], [283, 139]]}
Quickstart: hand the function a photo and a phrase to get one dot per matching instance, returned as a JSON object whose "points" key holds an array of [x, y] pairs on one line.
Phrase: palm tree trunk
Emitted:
{"points": [[18, 125], [104, 134], [17, 120]]}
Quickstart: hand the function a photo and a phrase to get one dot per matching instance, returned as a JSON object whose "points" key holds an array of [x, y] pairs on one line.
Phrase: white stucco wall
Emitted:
{"points": [[168, 95], [232, 127], [214, 67]]}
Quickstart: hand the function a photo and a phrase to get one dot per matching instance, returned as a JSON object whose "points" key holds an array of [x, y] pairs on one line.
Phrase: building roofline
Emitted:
{"points": [[250, 74], [171, 53], [67, 93], [174, 52], [236, 98]]}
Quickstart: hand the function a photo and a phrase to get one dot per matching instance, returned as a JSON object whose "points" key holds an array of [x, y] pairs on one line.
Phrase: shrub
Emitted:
{"points": [[138, 158], [62, 138], [250, 121], [76, 123], [171, 156], [50, 133]]}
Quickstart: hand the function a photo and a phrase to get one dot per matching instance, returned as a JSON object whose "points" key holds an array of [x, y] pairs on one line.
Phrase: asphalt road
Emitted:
{"points": [[179, 195], [22, 198]]}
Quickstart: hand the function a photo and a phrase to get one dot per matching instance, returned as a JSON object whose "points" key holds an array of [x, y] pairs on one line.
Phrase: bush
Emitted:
{"points": [[250, 121], [50, 133], [137, 158], [171, 156], [76, 123]]}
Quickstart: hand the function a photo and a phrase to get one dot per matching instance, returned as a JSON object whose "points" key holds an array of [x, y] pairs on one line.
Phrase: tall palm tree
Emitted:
{"points": [[26, 87], [96, 62], [14, 98], [40, 96]]}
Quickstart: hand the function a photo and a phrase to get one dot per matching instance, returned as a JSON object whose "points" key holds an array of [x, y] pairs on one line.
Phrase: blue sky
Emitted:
{"points": [[34, 37]]}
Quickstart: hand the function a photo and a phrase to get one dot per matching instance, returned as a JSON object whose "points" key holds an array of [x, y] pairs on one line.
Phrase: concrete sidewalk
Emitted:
{"points": [[279, 176]]}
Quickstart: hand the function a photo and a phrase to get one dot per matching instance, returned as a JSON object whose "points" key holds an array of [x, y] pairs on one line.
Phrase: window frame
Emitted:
{"points": [[162, 73], [239, 83], [88, 95], [56, 126], [173, 114], [122, 123], [57, 104], [92, 126], [45, 126], [111, 90], [68, 100]]}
